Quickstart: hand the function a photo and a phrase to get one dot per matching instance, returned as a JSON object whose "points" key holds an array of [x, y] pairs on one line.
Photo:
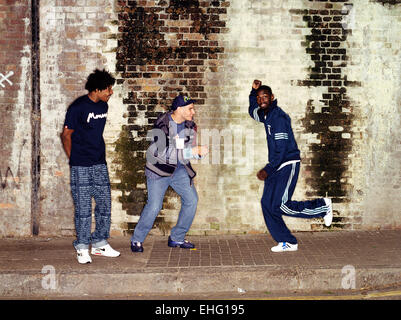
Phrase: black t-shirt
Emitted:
{"points": [[87, 119]]}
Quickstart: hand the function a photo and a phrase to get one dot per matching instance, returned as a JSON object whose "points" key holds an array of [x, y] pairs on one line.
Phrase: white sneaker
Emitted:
{"points": [[83, 256], [285, 246], [328, 218], [105, 251]]}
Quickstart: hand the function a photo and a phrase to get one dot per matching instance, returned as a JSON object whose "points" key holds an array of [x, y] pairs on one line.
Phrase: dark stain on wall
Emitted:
{"points": [[388, 2], [327, 162], [145, 53]]}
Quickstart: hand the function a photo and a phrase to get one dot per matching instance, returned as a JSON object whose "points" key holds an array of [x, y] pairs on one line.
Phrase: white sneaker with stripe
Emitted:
{"points": [[285, 246], [328, 218], [105, 251], [83, 256]]}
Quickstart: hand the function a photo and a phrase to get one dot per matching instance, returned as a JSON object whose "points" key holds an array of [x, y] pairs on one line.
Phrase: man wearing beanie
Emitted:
{"points": [[167, 164]]}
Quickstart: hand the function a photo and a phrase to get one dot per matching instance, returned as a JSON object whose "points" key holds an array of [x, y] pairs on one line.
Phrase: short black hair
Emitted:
{"points": [[267, 88], [99, 80]]}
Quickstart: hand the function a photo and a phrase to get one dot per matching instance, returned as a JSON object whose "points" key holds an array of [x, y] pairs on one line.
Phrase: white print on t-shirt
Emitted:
{"points": [[93, 116]]}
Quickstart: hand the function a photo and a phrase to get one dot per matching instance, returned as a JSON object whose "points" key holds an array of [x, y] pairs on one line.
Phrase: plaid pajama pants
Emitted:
{"points": [[87, 183]]}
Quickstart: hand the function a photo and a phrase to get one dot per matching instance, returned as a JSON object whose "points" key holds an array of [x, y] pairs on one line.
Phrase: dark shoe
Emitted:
{"points": [[136, 247], [182, 244]]}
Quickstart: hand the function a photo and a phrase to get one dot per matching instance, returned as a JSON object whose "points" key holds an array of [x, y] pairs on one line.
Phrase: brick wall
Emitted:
{"points": [[375, 165], [331, 117], [333, 66], [15, 118]]}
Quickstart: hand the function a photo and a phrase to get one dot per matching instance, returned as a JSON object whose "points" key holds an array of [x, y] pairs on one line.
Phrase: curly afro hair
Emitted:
{"points": [[99, 80]]}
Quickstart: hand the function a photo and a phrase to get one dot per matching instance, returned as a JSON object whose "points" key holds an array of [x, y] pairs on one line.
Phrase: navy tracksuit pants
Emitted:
{"points": [[276, 202]]}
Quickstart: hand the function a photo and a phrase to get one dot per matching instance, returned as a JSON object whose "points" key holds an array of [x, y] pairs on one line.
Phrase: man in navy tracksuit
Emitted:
{"points": [[281, 173]]}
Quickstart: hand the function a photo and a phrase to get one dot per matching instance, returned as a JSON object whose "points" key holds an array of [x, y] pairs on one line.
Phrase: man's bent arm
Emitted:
{"points": [[254, 108], [66, 140]]}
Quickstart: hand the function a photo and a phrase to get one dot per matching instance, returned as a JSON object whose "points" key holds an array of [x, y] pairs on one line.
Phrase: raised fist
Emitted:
{"points": [[256, 84]]}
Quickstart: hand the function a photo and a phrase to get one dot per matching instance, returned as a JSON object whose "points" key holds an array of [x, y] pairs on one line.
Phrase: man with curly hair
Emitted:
{"points": [[83, 142]]}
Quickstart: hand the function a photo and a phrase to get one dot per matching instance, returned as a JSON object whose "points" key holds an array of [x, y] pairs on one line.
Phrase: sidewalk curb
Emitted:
{"points": [[194, 280]]}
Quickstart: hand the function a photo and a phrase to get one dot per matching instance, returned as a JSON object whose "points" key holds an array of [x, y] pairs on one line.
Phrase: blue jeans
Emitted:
{"points": [[87, 183], [180, 182]]}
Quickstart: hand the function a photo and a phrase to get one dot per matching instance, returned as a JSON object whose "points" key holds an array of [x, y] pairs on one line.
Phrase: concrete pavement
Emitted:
{"points": [[46, 268]]}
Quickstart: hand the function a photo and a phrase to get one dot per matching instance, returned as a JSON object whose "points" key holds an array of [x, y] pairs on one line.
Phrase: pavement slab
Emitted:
{"points": [[333, 260]]}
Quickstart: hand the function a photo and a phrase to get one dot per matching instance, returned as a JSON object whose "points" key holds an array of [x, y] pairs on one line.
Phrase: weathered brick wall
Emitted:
{"points": [[375, 165], [333, 66], [15, 118]]}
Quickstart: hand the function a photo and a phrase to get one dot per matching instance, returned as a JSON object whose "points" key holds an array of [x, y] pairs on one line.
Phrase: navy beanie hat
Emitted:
{"points": [[181, 101]]}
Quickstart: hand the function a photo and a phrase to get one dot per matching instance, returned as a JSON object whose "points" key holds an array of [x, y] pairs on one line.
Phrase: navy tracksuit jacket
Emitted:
{"points": [[282, 170]]}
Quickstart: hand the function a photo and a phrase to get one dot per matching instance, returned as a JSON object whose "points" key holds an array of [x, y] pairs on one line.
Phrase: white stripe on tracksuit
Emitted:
{"points": [[284, 200], [281, 135], [255, 114]]}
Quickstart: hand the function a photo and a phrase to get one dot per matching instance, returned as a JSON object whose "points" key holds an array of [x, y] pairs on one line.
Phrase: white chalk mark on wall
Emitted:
{"points": [[5, 78]]}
